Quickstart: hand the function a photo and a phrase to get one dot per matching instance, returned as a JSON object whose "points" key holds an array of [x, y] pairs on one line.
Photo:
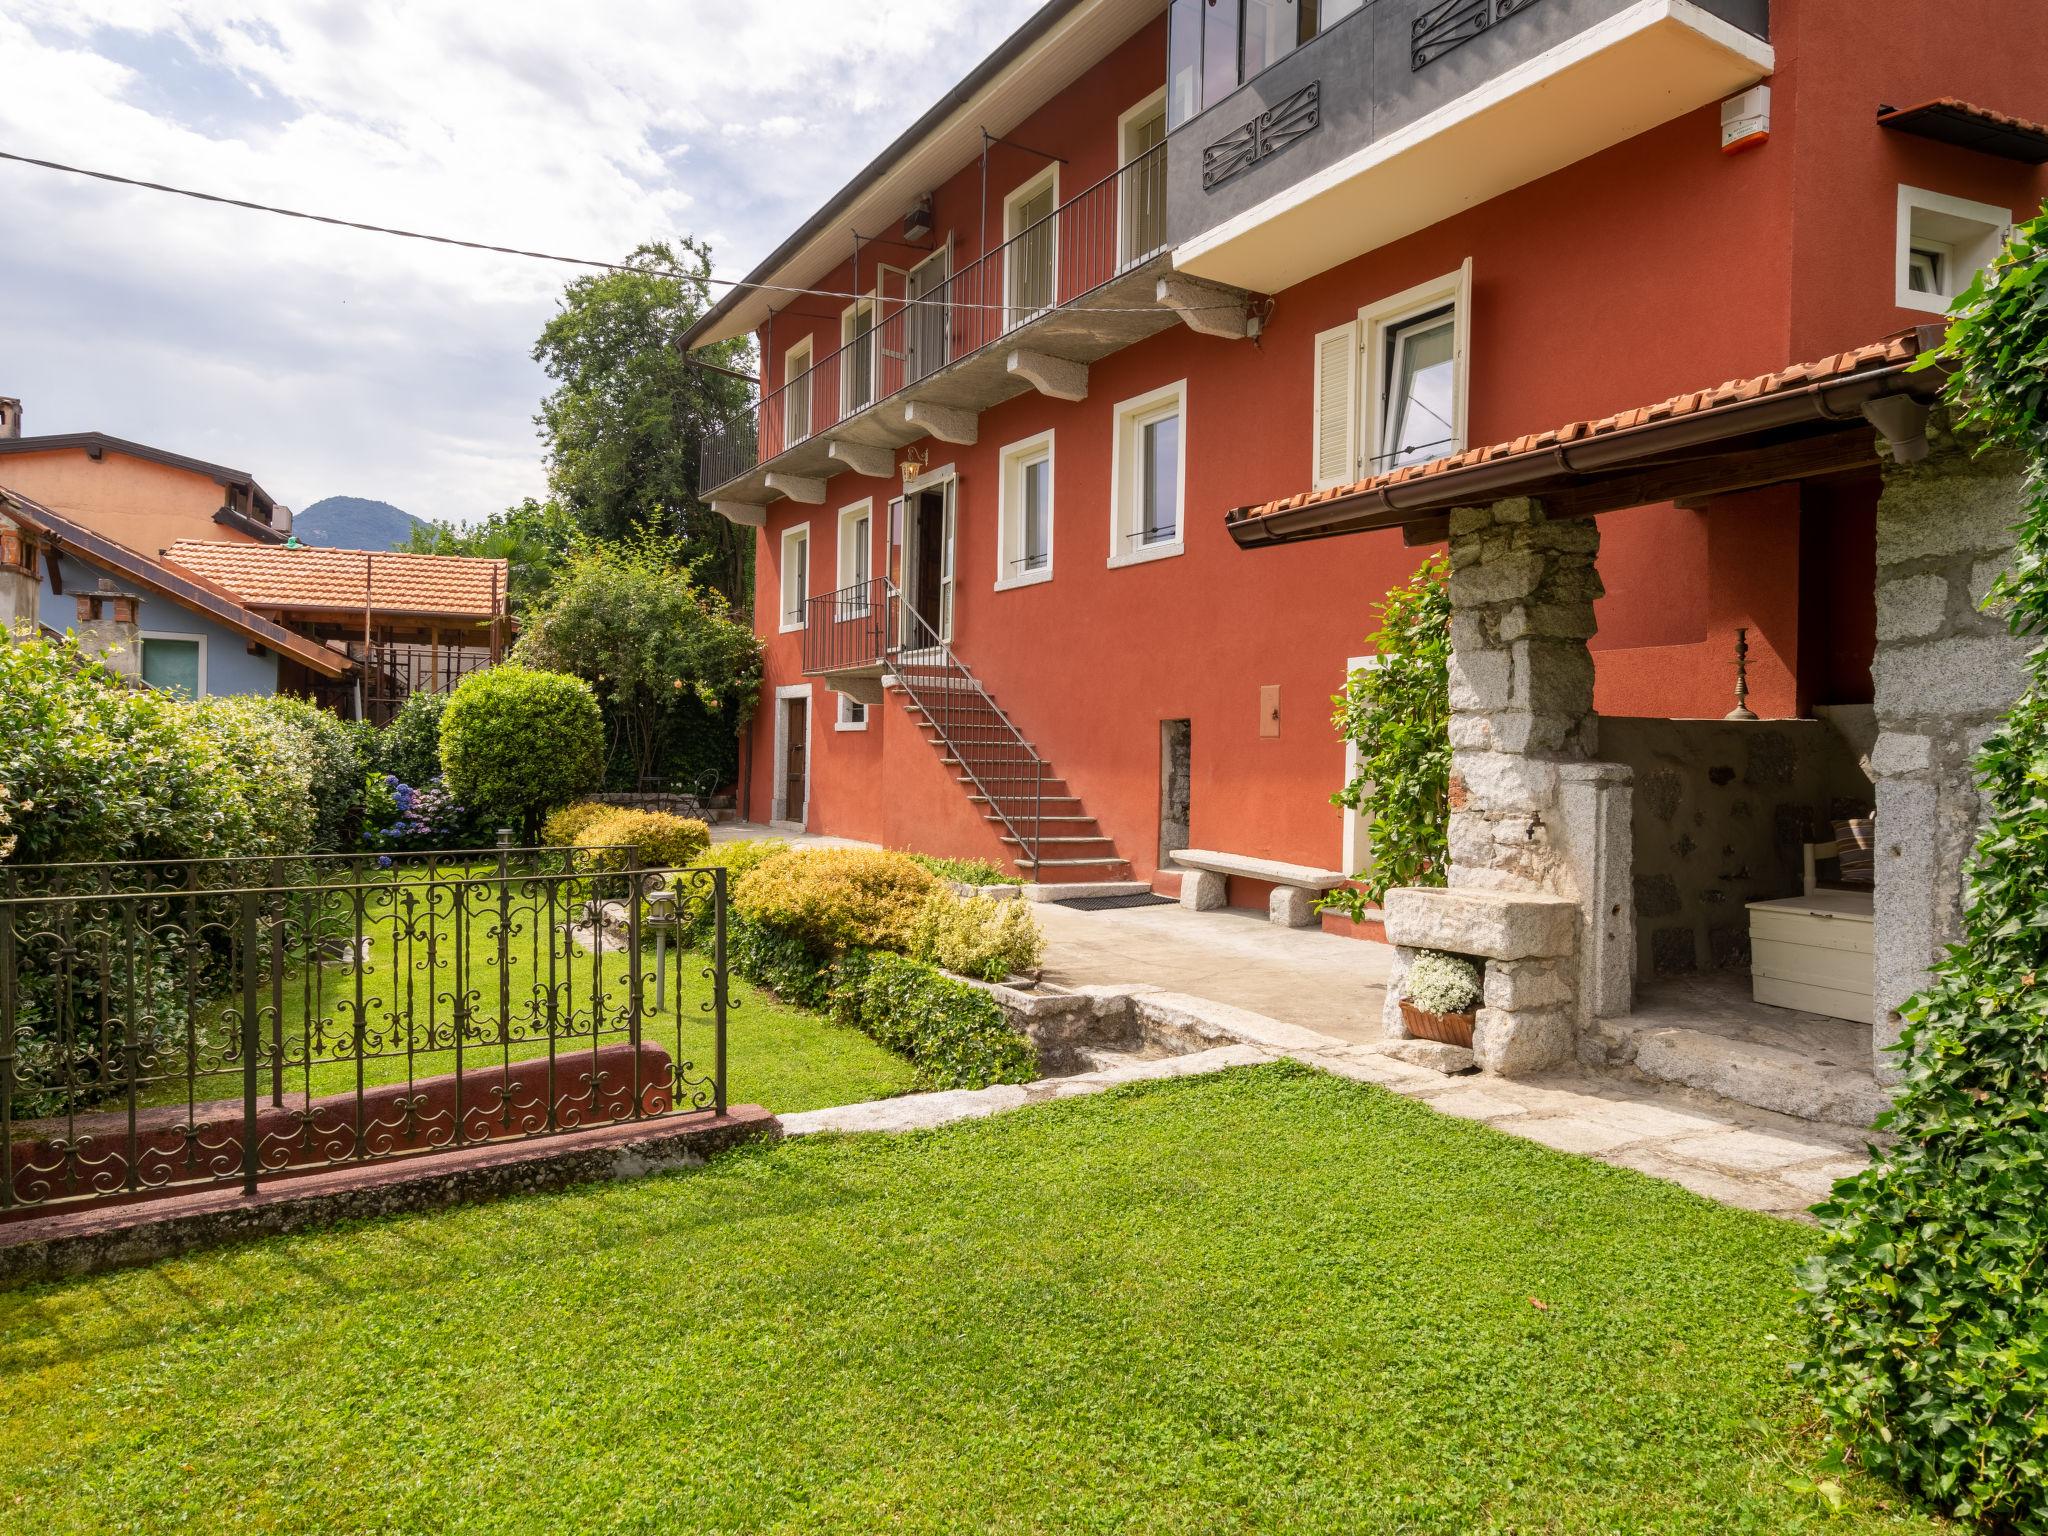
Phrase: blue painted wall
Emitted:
{"points": [[229, 666]]}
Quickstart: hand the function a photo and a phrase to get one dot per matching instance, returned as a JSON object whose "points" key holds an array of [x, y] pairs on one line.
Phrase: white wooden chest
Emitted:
{"points": [[1813, 953]]}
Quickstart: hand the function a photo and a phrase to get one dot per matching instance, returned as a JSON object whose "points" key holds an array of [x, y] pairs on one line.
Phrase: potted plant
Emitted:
{"points": [[1442, 992]]}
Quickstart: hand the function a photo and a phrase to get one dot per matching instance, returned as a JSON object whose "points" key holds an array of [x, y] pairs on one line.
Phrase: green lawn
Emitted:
{"points": [[783, 1058], [1268, 1301]]}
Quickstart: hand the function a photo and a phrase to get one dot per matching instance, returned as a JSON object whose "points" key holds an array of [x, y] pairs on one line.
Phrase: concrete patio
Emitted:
{"points": [[1260, 992]]}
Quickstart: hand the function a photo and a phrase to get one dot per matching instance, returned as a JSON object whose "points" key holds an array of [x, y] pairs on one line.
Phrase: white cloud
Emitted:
{"points": [[329, 361]]}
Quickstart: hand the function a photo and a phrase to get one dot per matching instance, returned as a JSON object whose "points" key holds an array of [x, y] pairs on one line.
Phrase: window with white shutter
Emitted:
{"points": [[1336, 406]]}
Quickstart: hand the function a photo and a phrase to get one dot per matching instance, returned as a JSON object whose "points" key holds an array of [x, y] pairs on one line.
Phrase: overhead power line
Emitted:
{"points": [[513, 250]]}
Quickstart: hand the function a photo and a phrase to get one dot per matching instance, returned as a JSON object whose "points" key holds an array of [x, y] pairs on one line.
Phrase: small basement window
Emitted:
{"points": [[1943, 243]]}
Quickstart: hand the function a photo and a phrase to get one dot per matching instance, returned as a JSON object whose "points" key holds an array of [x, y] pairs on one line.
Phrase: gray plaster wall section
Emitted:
{"points": [[1721, 811], [1370, 90], [1944, 674]]}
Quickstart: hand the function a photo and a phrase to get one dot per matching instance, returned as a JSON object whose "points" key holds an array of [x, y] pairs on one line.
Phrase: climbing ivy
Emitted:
{"points": [[1397, 712], [1929, 1300]]}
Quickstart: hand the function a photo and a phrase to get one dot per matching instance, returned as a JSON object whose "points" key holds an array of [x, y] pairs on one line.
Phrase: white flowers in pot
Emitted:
{"points": [[1443, 983]]}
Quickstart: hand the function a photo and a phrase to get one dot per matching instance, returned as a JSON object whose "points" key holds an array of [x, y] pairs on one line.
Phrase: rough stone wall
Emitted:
{"points": [[1722, 808], [1522, 593], [1531, 815], [1945, 672]]}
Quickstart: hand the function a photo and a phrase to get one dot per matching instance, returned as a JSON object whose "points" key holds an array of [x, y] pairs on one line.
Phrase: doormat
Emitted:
{"points": [[1116, 903]]}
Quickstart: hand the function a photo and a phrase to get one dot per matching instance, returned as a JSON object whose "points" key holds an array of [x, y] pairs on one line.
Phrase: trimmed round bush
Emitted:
{"points": [[658, 839], [833, 898], [518, 743], [409, 748]]}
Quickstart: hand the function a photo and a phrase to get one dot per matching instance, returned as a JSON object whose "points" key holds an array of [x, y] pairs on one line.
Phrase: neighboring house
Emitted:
{"points": [[161, 626], [1162, 291], [143, 497], [412, 622]]}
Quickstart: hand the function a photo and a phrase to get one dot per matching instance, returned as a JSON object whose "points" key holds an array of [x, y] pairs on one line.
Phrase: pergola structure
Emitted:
{"points": [[1540, 880]]}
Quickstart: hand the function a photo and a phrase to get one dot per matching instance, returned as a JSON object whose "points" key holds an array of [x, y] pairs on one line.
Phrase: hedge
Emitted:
{"points": [[954, 1035]]}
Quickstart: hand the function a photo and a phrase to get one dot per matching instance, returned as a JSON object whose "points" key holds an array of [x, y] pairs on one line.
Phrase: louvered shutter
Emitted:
{"points": [[1336, 406]]}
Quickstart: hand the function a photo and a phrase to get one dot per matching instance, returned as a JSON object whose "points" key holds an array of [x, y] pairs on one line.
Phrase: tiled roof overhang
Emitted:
{"points": [[1948, 121], [1804, 419], [185, 590], [393, 584]]}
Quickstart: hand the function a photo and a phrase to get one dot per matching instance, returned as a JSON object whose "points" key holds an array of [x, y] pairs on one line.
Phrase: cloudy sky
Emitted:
{"points": [[330, 362]]}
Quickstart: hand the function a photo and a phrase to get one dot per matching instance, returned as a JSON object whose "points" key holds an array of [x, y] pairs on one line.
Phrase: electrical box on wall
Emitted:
{"points": [[917, 224], [1746, 120]]}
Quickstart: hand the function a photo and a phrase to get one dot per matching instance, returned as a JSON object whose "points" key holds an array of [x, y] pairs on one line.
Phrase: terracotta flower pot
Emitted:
{"points": [[1449, 1028]]}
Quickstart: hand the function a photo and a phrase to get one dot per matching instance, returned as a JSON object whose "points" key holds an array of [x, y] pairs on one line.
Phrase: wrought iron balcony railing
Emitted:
{"points": [[1113, 226]]}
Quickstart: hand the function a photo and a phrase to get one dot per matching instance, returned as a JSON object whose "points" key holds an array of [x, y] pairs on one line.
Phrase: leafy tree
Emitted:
{"points": [[517, 742], [1929, 1300], [533, 539], [623, 423], [629, 620], [1398, 714]]}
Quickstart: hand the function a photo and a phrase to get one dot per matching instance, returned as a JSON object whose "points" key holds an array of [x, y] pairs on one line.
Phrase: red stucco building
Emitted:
{"points": [[1152, 263]]}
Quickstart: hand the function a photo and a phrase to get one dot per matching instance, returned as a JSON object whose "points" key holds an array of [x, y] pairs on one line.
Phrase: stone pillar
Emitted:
{"points": [[1531, 815], [1945, 673]]}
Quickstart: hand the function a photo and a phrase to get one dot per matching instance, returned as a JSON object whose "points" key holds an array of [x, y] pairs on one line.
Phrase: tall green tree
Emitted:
{"points": [[533, 539], [629, 408], [664, 655]]}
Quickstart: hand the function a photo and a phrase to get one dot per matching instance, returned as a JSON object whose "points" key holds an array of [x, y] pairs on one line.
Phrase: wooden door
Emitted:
{"points": [[928, 571], [799, 719]]}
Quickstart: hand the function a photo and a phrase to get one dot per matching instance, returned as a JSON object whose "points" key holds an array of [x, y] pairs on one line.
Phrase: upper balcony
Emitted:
{"points": [[1399, 114], [1077, 284]]}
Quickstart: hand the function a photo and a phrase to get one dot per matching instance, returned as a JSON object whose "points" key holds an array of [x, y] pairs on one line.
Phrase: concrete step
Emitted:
{"points": [[1102, 863], [1762, 1076], [1066, 842]]}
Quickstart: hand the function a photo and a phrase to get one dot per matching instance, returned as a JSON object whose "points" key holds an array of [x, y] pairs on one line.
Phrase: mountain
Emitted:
{"points": [[354, 522]]}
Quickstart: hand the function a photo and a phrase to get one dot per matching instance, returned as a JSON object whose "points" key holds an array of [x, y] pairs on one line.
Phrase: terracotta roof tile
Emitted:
{"points": [[274, 577], [1892, 350]]}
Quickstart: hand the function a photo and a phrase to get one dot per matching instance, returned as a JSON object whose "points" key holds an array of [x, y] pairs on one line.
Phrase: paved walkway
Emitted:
{"points": [[1262, 993], [1297, 975]]}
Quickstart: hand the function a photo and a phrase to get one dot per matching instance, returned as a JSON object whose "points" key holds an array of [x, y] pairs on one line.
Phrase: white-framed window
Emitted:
{"points": [[1024, 513], [796, 576], [796, 393], [1031, 255], [1141, 193], [853, 715], [856, 544], [174, 663], [1391, 387], [1944, 242], [858, 356], [1148, 476]]}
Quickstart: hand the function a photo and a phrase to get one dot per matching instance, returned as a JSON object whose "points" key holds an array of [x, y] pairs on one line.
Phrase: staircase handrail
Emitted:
{"points": [[930, 643]]}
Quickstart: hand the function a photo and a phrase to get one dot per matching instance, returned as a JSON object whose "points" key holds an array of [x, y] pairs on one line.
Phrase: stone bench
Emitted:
{"points": [[1295, 886]]}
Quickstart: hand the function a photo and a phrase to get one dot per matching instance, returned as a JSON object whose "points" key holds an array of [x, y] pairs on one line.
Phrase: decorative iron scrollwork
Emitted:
{"points": [[1451, 24], [1271, 131]]}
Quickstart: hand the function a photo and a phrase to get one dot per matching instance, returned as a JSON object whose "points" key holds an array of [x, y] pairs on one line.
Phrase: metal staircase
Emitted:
{"points": [[1046, 831]]}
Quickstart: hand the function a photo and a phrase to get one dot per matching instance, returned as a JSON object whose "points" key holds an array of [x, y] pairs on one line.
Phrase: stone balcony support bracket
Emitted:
{"points": [[1053, 376], [873, 460], [1209, 309], [947, 423], [797, 488], [745, 514]]}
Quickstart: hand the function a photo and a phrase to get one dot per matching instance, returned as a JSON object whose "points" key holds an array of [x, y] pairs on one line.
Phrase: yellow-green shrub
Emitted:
{"points": [[830, 898], [657, 839], [565, 827], [693, 897], [977, 936]]}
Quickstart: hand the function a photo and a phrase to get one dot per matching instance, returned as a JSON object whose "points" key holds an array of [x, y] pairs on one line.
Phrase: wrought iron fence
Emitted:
{"points": [[1104, 231], [849, 629], [199, 1024]]}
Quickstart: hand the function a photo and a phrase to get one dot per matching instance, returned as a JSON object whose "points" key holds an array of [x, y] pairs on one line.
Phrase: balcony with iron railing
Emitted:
{"points": [[1072, 287]]}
